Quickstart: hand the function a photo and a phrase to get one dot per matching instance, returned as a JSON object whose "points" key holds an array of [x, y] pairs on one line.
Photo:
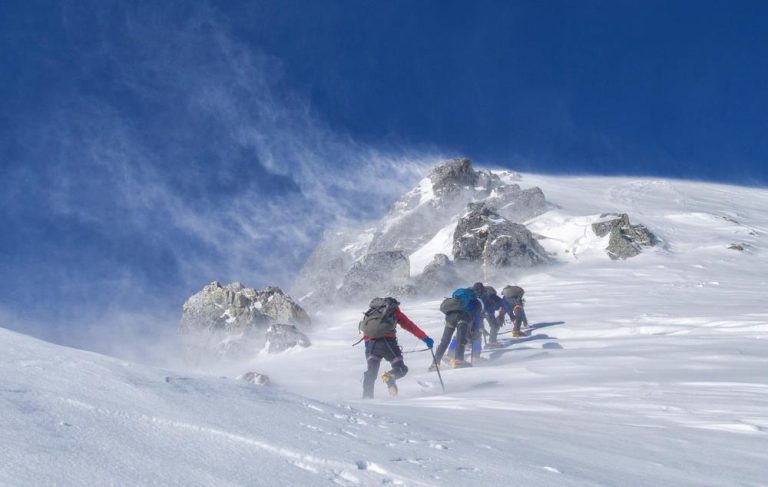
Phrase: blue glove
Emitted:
{"points": [[429, 342]]}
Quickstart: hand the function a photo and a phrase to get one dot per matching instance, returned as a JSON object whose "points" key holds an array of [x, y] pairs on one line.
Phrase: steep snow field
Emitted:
{"points": [[650, 371]]}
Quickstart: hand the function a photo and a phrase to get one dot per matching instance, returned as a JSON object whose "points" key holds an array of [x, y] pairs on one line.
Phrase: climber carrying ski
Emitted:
{"points": [[380, 334], [512, 304]]}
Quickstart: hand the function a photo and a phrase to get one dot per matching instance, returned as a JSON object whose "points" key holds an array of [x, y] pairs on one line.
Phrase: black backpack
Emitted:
{"points": [[379, 320], [491, 295]]}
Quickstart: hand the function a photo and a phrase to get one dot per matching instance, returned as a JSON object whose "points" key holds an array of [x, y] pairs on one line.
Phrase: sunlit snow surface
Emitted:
{"points": [[650, 371]]}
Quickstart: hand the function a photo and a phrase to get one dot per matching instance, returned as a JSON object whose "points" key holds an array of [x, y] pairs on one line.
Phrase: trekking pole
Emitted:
{"points": [[437, 368]]}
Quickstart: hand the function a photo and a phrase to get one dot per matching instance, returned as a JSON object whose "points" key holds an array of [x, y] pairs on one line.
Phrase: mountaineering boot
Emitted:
{"points": [[389, 380], [459, 364], [516, 333]]}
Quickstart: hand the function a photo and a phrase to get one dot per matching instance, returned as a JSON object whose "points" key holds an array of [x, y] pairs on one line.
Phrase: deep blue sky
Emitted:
{"points": [[147, 149]]}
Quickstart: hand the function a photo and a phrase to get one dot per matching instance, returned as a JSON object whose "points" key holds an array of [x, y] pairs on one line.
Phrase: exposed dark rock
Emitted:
{"points": [[281, 337], [453, 175], [626, 240], [482, 234], [735, 246]]}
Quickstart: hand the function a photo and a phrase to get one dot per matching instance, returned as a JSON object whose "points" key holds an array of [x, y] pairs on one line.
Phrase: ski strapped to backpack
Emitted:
{"points": [[379, 321]]}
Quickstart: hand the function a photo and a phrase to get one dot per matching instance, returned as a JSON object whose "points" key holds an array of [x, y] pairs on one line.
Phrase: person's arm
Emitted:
{"points": [[409, 325]]}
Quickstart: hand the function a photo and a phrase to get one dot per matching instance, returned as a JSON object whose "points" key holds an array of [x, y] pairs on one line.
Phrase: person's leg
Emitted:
{"points": [[461, 340], [477, 344], [494, 326], [518, 315], [374, 361], [444, 341], [395, 357]]}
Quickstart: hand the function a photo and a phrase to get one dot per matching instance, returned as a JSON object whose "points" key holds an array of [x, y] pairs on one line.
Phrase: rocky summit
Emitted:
{"points": [[395, 255]]}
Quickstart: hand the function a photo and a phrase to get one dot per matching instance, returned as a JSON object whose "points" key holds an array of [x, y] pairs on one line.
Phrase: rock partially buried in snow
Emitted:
{"points": [[255, 378], [483, 234], [626, 240], [282, 337]]}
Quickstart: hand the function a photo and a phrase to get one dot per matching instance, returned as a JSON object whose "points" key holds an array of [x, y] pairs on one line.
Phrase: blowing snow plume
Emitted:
{"points": [[196, 163]]}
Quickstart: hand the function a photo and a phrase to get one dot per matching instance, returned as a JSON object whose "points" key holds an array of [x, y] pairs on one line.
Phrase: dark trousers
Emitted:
{"points": [[375, 350], [454, 322], [494, 325]]}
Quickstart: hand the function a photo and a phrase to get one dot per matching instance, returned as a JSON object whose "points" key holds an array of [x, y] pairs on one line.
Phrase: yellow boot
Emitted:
{"points": [[458, 364], [389, 380]]}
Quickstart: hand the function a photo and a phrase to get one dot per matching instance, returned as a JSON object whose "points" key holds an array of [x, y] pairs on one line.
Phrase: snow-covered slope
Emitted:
{"points": [[649, 371]]}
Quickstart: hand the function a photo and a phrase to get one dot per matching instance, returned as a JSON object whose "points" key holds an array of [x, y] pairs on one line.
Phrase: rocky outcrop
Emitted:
{"points": [[280, 307], [438, 275], [452, 176], [231, 309], [230, 321], [484, 235], [255, 378], [626, 240], [282, 337], [377, 274]]}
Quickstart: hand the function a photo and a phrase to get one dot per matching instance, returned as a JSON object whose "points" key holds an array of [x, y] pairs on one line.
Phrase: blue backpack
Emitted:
{"points": [[466, 295]]}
